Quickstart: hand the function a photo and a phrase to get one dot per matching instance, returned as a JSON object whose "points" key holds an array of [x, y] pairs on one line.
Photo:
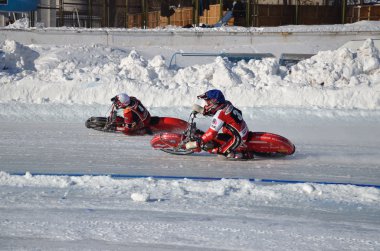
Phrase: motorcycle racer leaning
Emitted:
{"points": [[131, 114], [230, 120]]}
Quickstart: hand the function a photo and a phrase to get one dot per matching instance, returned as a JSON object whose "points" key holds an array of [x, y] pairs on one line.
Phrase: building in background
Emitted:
{"points": [[186, 13]]}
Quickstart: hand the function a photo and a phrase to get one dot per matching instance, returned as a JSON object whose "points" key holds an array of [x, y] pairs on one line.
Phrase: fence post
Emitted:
{"points": [[89, 15], [196, 13], [142, 14], [126, 14], [369, 13], [220, 9], [255, 13], [344, 4], [32, 18], [61, 13], [146, 14], [248, 14], [297, 12], [104, 18]]}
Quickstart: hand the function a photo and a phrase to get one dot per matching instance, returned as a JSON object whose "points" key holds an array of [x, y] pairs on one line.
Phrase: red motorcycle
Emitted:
{"points": [[113, 123], [259, 143]]}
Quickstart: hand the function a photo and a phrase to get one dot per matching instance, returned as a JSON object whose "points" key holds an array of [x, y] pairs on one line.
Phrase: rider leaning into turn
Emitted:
{"points": [[230, 120], [131, 114]]}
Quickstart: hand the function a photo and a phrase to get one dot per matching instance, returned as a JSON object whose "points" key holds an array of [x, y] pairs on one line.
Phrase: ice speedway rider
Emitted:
{"points": [[131, 114], [225, 117]]}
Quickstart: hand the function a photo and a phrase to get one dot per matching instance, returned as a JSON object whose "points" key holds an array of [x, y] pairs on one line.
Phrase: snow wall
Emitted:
{"points": [[229, 40]]}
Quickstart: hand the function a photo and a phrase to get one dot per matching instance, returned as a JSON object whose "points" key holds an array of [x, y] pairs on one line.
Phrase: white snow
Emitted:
{"points": [[22, 23], [328, 105]]}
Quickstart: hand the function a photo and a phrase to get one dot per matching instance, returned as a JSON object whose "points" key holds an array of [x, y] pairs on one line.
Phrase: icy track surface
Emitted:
{"points": [[333, 146], [87, 212]]}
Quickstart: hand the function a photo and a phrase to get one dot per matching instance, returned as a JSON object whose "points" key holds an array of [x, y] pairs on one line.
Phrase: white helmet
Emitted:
{"points": [[121, 100]]}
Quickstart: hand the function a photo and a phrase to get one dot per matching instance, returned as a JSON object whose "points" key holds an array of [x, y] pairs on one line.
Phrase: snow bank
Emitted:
{"points": [[353, 27], [17, 58], [340, 68], [147, 214], [22, 23], [149, 189], [90, 75]]}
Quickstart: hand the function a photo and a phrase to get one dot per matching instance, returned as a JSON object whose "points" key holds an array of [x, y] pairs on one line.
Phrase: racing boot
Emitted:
{"points": [[235, 156], [240, 156]]}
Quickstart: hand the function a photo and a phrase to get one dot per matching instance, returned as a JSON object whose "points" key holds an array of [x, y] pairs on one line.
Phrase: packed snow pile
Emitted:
{"points": [[101, 213], [149, 189], [340, 68], [363, 25], [22, 23], [357, 26], [91, 75], [17, 58]]}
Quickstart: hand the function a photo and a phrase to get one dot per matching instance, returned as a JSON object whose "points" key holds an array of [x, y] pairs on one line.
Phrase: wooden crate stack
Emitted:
{"points": [[184, 16], [134, 20], [181, 17], [154, 19], [211, 16]]}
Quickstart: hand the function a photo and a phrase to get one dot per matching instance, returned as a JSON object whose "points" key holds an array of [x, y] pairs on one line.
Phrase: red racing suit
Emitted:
{"points": [[231, 121], [136, 118]]}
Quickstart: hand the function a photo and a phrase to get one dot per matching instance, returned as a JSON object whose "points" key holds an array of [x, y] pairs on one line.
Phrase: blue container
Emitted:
{"points": [[18, 5]]}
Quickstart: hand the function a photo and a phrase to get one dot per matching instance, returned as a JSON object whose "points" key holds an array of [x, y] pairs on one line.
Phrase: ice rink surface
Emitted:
{"points": [[341, 149], [101, 213]]}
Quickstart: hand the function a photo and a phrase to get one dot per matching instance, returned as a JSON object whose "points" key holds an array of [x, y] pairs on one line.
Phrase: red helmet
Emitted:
{"points": [[214, 101], [121, 100]]}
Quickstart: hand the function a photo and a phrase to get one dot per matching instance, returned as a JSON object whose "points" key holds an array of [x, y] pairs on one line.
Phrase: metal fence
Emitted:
{"points": [[155, 13]]}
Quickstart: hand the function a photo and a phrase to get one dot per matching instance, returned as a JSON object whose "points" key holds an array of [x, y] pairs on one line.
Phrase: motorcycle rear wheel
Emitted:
{"points": [[96, 123]]}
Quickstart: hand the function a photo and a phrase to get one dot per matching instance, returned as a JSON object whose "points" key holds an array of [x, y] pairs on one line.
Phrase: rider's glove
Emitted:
{"points": [[194, 145], [197, 109]]}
